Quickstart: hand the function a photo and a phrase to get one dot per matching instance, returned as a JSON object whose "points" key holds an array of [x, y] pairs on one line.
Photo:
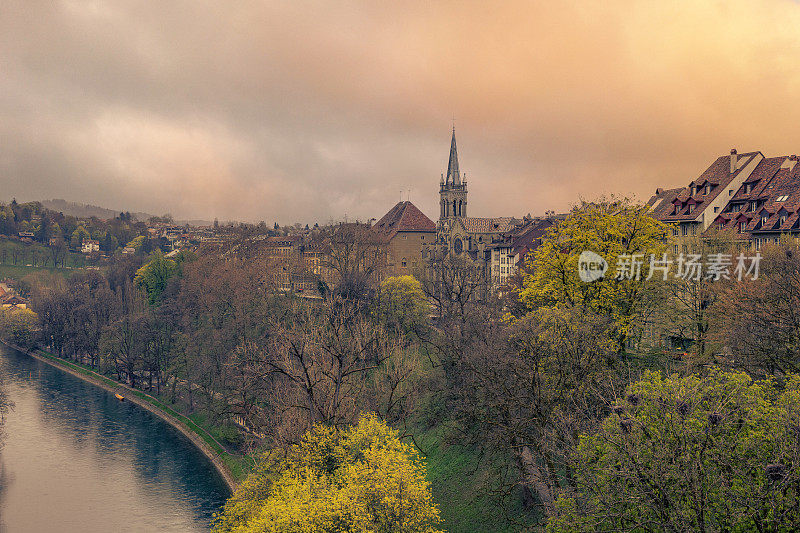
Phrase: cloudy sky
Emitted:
{"points": [[310, 111]]}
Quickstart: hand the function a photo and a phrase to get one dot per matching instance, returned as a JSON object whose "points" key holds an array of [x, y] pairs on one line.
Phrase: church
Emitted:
{"points": [[471, 237]]}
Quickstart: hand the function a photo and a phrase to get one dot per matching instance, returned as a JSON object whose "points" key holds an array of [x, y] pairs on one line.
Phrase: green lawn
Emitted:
{"points": [[28, 254], [462, 484]]}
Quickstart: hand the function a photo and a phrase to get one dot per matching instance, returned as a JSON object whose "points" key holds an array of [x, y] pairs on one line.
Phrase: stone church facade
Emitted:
{"points": [[471, 237]]}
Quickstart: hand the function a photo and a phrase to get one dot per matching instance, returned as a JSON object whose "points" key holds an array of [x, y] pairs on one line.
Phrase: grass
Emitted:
{"points": [[25, 255], [19, 271], [462, 485]]}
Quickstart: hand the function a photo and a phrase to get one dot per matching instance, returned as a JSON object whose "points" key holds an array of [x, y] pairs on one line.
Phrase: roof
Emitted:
{"points": [[774, 189], [488, 225], [453, 175], [675, 204], [404, 216]]}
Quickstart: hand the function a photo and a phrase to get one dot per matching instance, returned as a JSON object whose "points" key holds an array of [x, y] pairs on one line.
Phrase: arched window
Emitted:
{"points": [[403, 262], [455, 213], [460, 207]]}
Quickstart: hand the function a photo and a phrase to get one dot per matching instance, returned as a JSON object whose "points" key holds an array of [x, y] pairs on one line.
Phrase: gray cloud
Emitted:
{"points": [[306, 111]]}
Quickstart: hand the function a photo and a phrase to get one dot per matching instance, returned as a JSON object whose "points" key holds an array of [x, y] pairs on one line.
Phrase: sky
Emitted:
{"points": [[311, 111]]}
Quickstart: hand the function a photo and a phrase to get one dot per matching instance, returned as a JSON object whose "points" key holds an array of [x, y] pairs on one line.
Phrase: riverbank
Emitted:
{"points": [[204, 442]]}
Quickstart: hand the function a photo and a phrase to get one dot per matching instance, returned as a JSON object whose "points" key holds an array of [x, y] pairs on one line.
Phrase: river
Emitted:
{"points": [[76, 459]]}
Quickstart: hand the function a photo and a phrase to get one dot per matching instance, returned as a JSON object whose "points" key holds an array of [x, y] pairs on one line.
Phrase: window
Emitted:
{"points": [[764, 219], [716, 209], [684, 230], [782, 198], [675, 231], [747, 188], [675, 249], [403, 262], [730, 192], [691, 208], [783, 219], [758, 243], [742, 226], [405, 237], [708, 189], [694, 229], [752, 206]]}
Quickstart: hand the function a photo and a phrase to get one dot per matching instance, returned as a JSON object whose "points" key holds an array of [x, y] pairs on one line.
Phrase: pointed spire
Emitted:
{"points": [[453, 176]]}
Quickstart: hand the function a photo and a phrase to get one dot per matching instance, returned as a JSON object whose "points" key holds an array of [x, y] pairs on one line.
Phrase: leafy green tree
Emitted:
{"points": [[402, 303], [615, 229], [357, 479], [713, 453], [152, 278], [78, 236], [19, 326]]}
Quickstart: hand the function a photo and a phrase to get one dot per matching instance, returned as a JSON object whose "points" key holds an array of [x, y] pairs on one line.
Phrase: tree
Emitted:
{"points": [[615, 229], [78, 236], [758, 319], [402, 304], [19, 326], [700, 453], [455, 285], [152, 278], [524, 390], [355, 479]]}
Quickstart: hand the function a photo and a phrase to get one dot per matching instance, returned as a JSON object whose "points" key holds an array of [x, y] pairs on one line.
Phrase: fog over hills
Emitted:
{"points": [[87, 210]]}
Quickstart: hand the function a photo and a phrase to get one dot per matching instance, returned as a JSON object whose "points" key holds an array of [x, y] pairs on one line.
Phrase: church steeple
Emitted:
{"points": [[452, 191], [453, 175]]}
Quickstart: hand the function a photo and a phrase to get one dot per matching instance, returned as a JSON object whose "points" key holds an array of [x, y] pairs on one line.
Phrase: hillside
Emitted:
{"points": [[84, 210]]}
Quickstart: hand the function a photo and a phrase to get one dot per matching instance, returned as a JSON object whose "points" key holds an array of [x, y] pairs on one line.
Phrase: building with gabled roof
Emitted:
{"points": [[404, 232], [756, 198]]}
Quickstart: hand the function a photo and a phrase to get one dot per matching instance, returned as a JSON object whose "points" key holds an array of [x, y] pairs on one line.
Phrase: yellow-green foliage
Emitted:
{"points": [[402, 302], [610, 228], [360, 479], [19, 326], [153, 276], [137, 243], [713, 453]]}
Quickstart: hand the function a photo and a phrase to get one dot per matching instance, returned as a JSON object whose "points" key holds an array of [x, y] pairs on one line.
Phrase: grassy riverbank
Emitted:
{"points": [[233, 467]]}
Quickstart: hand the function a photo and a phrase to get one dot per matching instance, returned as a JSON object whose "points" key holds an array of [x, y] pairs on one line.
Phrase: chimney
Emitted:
{"points": [[733, 160]]}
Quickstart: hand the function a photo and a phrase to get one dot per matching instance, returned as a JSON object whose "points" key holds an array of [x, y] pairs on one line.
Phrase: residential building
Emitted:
{"points": [[753, 197], [404, 232], [89, 246]]}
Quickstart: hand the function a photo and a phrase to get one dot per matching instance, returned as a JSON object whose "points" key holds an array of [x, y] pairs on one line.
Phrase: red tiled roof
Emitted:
{"points": [[775, 187], [405, 216], [488, 225], [718, 176]]}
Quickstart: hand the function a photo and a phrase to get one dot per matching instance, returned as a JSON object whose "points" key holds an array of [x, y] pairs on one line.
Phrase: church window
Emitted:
{"points": [[458, 246]]}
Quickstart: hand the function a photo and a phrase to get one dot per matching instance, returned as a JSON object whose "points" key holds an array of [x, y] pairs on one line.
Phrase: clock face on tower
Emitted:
{"points": [[458, 246]]}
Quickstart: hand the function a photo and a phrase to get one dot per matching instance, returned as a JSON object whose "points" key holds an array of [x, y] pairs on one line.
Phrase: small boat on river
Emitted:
{"points": [[120, 397]]}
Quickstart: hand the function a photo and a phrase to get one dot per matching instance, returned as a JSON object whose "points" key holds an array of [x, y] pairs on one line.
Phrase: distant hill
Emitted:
{"points": [[84, 211]]}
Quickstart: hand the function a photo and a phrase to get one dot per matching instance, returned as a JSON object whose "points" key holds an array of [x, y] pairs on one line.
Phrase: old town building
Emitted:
{"points": [[753, 197]]}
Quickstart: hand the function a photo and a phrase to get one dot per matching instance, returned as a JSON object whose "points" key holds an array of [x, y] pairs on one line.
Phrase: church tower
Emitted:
{"points": [[452, 190]]}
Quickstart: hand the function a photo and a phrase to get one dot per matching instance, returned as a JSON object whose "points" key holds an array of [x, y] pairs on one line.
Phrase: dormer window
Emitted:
{"points": [[783, 219], [691, 208], [748, 187], [752, 206], [764, 219], [742, 226], [707, 189]]}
